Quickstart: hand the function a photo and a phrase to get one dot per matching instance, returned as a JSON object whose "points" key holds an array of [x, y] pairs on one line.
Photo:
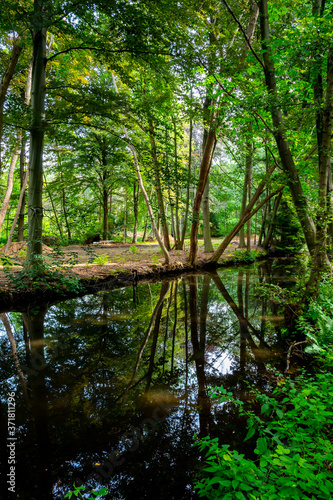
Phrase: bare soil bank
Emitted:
{"points": [[98, 267]]}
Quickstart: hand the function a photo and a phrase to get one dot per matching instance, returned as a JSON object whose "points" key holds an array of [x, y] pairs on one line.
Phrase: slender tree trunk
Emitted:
{"points": [[105, 213], [12, 341], [158, 187], [125, 218], [246, 192], [143, 190], [10, 177], [249, 159], [330, 213], [208, 245], [268, 236], [177, 226], [53, 207], [324, 133], [188, 184], [35, 201], [248, 213], [63, 196], [18, 212], [5, 81], [20, 226], [287, 161], [203, 176], [136, 193]]}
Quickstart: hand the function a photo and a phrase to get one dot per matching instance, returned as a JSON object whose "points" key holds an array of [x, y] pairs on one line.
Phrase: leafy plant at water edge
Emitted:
{"points": [[293, 447], [246, 256], [317, 322], [48, 275]]}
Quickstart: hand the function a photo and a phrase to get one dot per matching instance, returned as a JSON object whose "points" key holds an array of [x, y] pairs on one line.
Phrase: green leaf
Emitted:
{"points": [[234, 483], [264, 408], [261, 445], [250, 433]]}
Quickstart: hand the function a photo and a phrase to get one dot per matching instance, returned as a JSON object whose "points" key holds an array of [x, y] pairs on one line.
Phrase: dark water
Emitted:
{"points": [[111, 388]]}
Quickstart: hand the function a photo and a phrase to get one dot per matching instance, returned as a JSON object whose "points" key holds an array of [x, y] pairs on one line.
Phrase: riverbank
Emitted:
{"points": [[78, 270]]}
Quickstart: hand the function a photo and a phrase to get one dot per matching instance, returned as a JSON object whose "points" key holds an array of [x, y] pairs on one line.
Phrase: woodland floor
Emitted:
{"points": [[98, 263]]}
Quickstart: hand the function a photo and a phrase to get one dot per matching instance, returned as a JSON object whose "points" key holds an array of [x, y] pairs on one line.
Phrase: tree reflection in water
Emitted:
{"points": [[112, 387]]}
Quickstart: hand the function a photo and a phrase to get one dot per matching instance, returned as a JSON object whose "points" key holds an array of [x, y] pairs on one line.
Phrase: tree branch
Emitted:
{"points": [[244, 33]]}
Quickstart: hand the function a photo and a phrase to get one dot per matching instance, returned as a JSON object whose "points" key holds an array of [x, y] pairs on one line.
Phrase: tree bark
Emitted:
{"points": [[268, 236], [5, 81], [246, 191], [158, 186], [143, 190], [248, 213], [35, 201], [20, 226], [208, 245], [279, 133], [177, 225], [203, 176], [10, 177], [324, 133], [136, 192], [18, 211], [188, 184], [53, 207]]}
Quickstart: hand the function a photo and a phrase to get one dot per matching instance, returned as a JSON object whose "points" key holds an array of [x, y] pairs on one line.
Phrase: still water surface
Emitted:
{"points": [[111, 388]]}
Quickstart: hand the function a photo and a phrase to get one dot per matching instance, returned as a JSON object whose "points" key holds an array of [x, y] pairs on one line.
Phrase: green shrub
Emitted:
{"points": [[101, 259], [293, 447], [317, 322]]}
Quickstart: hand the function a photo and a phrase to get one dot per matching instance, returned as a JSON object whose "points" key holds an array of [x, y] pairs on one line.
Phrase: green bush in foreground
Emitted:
{"points": [[293, 447]]}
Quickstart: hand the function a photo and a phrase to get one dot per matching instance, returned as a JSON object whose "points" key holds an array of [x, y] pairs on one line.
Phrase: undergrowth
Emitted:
{"points": [[292, 435], [51, 273]]}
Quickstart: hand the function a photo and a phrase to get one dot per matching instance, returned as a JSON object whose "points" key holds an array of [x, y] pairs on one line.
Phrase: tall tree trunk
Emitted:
{"points": [[12, 341], [143, 190], [330, 213], [53, 207], [177, 226], [268, 236], [38, 92], [21, 140], [20, 226], [248, 213], [324, 133], [287, 161], [245, 195], [10, 177], [158, 187], [203, 176], [5, 81], [188, 184], [136, 192], [144, 236], [125, 218], [105, 213], [208, 246], [63, 196], [249, 159], [18, 211]]}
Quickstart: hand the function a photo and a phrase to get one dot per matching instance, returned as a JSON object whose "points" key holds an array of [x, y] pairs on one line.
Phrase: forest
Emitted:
{"points": [[167, 118], [198, 132]]}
